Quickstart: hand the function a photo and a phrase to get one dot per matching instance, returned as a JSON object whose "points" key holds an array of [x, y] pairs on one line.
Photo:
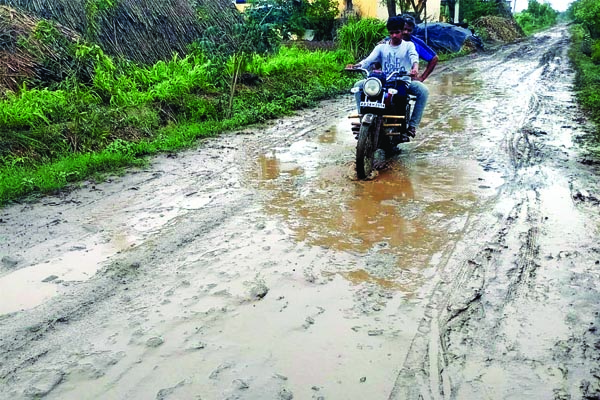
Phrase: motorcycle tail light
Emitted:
{"points": [[372, 87]]}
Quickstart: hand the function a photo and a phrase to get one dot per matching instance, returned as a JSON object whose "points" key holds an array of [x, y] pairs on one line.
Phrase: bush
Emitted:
{"points": [[295, 17], [470, 10], [596, 52], [359, 36], [321, 18], [536, 17], [587, 13], [587, 82]]}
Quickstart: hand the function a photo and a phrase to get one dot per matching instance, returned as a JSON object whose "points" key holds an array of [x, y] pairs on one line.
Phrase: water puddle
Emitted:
{"points": [[405, 216], [31, 286]]}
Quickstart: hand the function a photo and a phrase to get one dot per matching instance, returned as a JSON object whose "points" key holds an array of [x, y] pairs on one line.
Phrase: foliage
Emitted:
{"points": [[50, 138], [37, 52], [359, 36], [94, 9], [536, 17], [321, 18], [587, 13], [470, 10], [295, 17], [252, 36], [587, 80], [595, 54]]}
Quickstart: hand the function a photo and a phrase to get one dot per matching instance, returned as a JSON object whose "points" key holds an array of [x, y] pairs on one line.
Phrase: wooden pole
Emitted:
{"points": [[425, 8]]}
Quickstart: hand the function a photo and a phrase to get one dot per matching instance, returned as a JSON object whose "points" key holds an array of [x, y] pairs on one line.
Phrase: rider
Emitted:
{"points": [[393, 56], [425, 52]]}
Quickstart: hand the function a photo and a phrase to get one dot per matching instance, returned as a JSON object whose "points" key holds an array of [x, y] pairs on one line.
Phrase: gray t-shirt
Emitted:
{"points": [[392, 58]]}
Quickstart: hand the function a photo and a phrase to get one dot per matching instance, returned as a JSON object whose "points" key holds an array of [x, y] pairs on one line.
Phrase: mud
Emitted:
{"points": [[257, 267]]}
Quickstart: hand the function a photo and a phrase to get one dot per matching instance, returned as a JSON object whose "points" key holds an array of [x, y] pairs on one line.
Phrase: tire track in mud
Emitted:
{"points": [[465, 325], [32, 355]]}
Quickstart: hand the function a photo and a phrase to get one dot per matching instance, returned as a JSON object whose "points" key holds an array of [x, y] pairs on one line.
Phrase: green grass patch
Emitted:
{"points": [[587, 82], [53, 138]]}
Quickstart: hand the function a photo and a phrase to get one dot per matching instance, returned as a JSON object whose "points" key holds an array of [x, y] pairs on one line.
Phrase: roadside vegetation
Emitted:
{"points": [[104, 112], [585, 55], [52, 136], [77, 105], [537, 17]]}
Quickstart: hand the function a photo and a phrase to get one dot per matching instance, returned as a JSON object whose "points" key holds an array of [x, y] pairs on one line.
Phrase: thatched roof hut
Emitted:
{"points": [[142, 30], [26, 57]]}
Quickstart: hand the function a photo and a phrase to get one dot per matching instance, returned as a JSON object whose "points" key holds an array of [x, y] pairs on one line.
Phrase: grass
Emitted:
{"points": [[55, 137], [587, 82]]}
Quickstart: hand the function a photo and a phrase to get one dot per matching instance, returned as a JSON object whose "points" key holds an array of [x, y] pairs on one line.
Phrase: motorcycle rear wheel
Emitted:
{"points": [[365, 150]]}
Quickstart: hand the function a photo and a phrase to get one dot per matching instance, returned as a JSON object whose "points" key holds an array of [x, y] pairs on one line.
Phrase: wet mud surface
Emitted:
{"points": [[257, 267]]}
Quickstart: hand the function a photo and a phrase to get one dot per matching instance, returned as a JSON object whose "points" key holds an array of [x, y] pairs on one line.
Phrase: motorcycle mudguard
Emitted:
{"points": [[368, 119]]}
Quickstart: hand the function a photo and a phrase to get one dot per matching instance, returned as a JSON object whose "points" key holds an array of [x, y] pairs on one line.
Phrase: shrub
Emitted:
{"points": [[595, 55], [359, 36], [587, 13], [536, 17]]}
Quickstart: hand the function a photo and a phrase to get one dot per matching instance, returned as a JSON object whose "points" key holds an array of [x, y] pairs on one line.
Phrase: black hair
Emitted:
{"points": [[395, 24], [408, 19]]}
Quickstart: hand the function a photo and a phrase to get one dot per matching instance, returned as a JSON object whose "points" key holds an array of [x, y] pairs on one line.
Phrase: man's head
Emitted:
{"points": [[395, 27], [409, 25]]}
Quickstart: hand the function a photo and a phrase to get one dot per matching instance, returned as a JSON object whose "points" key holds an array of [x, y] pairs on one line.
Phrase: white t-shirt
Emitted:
{"points": [[393, 58]]}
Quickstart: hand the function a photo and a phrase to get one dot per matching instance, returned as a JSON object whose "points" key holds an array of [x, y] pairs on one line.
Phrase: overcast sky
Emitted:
{"points": [[558, 5]]}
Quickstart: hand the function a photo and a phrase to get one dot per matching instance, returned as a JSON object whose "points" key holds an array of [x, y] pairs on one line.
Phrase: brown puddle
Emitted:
{"points": [[408, 214]]}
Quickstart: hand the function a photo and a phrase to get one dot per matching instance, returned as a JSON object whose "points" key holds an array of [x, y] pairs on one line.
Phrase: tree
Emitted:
{"points": [[503, 9], [391, 7], [587, 13], [470, 10], [414, 7]]}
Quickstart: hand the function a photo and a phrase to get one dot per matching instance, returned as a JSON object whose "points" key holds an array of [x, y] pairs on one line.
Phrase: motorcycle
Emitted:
{"points": [[385, 109]]}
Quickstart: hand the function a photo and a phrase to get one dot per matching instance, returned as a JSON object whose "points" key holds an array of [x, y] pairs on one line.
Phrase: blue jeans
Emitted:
{"points": [[416, 88]]}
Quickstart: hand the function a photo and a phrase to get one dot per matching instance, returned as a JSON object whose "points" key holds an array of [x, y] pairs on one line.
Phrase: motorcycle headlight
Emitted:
{"points": [[372, 87]]}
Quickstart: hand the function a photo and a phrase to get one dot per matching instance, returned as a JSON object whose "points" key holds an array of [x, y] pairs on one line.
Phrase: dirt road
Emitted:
{"points": [[255, 267]]}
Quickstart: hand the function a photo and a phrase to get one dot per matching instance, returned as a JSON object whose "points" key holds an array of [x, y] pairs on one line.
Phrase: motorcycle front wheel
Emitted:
{"points": [[365, 150]]}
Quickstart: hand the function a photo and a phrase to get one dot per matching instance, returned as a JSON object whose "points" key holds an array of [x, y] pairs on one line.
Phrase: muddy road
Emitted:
{"points": [[256, 267]]}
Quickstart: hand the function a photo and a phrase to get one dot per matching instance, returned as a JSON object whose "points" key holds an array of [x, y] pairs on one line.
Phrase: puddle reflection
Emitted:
{"points": [[385, 217], [409, 214], [455, 84]]}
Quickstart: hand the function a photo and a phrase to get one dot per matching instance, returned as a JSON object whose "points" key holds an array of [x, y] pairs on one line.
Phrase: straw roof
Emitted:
{"points": [[141, 30], [23, 57]]}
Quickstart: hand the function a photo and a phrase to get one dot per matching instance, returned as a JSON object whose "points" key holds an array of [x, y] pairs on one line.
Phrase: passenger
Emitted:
{"points": [[425, 52], [397, 55]]}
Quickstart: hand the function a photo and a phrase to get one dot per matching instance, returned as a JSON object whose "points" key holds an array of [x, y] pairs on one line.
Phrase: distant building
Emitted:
{"points": [[378, 9], [369, 8]]}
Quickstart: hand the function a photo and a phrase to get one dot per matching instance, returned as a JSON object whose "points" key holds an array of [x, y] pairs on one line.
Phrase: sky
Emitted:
{"points": [[558, 5]]}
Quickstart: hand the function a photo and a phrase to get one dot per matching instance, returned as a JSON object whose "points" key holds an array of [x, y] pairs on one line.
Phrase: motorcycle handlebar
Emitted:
{"points": [[365, 72]]}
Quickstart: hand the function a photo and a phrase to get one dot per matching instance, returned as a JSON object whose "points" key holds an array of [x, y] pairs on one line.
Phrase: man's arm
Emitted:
{"points": [[429, 69], [375, 56], [414, 59], [427, 54]]}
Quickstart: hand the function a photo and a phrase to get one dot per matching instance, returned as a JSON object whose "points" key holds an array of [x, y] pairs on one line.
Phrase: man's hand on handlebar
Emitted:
{"points": [[352, 67], [414, 73]]}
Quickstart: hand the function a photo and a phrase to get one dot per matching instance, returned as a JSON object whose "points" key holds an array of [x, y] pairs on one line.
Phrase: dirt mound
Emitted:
{"points": [[142, 30], [499, 29], [33, 50]]}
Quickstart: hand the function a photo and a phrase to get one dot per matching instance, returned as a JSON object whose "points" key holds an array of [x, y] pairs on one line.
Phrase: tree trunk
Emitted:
{"points": [[391, 6], [503, 9]]}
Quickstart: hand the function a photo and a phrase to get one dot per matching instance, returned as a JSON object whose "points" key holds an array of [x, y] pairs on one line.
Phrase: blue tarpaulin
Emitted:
{"points": [[442, 36]]}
